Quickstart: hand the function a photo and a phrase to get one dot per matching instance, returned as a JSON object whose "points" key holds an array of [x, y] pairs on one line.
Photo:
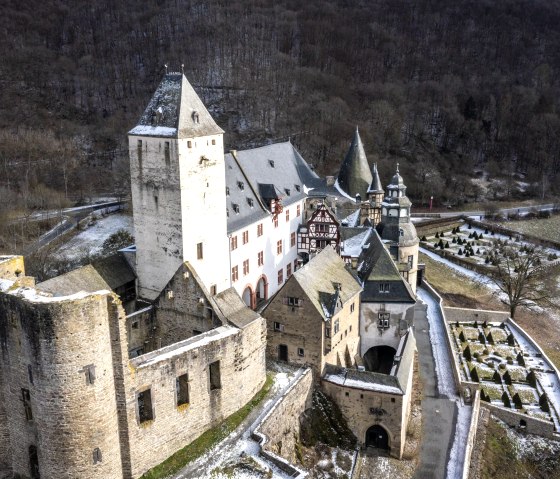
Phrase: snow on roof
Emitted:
{"points": [[145, 130], [365, 380], [354, 242], [34, 296]]}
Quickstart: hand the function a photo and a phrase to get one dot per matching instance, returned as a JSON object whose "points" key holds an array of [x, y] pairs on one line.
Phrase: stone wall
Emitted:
{"points": [[279, 430], [11, 267], [430, 227], [471, 438], [467, 315], [241, 356], [51, 362], [514, 419]]}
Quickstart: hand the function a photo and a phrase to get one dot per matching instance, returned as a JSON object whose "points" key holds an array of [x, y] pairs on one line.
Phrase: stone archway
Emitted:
{"points": [[377, 436], [261, 291], [248, 297], [379, 359]]}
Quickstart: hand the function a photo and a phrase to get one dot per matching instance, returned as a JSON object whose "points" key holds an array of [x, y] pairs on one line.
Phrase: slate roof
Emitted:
{"points": [[82, 279], [376, 266], [176, 111], [355, 176], [353, 240], [365, 380], [255, 176], [319, 279], [234, 309], [375, 185], [115, 270]]}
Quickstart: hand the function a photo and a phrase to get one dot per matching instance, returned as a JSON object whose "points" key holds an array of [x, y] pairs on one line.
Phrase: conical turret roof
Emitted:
{"points": [[355, 176], [175, 110], [375, 186]]}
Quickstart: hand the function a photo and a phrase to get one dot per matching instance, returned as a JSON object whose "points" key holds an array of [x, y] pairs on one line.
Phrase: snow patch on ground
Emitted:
{"points": [[90, 241]]}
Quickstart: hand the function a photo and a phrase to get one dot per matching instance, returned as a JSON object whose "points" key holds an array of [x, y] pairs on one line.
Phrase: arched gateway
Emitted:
{"points": [[376, 436]]}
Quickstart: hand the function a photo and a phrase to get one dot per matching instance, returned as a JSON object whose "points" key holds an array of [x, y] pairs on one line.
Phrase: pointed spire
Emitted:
{"points": [[176, 111], [375, 186], [355, 176]]}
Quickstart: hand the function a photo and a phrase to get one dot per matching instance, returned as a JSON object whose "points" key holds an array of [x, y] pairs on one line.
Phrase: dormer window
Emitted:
{"points": [[236, 208], [195, 117], [251, 202], [241, 185], [271, 163], [298, 188], [287, 190], [227, 190]]}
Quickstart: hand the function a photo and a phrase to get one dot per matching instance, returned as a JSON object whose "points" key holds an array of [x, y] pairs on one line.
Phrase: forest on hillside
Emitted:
{"points": [[448, 89]]}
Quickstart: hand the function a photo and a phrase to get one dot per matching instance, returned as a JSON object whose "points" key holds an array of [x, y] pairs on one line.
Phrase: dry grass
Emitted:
{"points": [[545, 228]]}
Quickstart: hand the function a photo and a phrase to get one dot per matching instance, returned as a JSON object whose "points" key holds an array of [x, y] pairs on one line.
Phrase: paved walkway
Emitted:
{"points": [[438, 413]]}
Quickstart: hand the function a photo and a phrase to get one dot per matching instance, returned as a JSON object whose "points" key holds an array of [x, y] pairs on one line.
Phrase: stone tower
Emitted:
{"points": [[354, 177], [397, 229], [178, 190]]}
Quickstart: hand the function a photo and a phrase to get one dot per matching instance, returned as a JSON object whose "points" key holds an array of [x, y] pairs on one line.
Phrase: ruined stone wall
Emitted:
{"points": [[11, 267], [523, 422], [357, 405], [279, 430], [182, 309], [48, 345], [241, 353], [140, 327]]}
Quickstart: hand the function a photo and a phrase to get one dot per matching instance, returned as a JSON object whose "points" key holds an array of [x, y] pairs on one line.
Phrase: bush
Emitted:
{"points": [[460, 252], [447, 244], [121, 239]]}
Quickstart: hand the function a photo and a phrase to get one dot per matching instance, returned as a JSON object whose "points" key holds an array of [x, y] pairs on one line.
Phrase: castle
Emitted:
{"points": [[110, 369]]}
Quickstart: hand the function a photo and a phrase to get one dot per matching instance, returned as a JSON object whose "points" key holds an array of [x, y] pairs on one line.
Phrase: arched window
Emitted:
{"points": [[401, 232], [97, 455]]}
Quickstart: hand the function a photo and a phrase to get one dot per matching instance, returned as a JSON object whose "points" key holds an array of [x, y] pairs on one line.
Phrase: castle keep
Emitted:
{"points": [[110, 369]]}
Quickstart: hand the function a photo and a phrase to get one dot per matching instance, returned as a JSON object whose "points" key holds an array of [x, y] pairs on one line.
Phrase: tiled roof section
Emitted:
{"points": [[115, 270], [354, 176], [375, 186], [234, 309], [175, 110], [255, 176], [82, 279], [319, 279]]}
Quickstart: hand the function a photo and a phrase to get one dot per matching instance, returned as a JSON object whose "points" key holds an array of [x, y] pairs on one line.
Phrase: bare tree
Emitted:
{"points": [[521, 277]]}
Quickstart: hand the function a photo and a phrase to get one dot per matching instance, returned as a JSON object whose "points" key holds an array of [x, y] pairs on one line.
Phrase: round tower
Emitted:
{"points": [[397, 229], [61, 403], [354, 177]]}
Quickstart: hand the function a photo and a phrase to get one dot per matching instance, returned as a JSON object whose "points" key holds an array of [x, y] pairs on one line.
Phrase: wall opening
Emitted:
{"points": [[34, 463], [282, 352], [376, 436], [145, 409], [262, 290], [379, 359], [248, 297], [215, 379], [182, 385]]}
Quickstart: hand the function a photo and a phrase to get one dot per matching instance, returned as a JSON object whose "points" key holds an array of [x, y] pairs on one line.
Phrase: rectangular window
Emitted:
{"points": [[383, 287], [295, 264], [278, 326], [233, 242], [26, 399], [234, 274], [410, 261], [293, 301], [199, 252], [245, 237], [260, 258], [287, 215], [89, 371], [213, 290], [213, 142], [189, 144], [292, 240], [182, 385], [245, 267], [300, 352], [352, 308], [298, 210], [145, 410], [280, 276], [327, 332], [279, 247], [166, 151], [288, 270], [336, 326], [383, 320], [215, 379], [275, 221], [260, 229], [139, 150]]}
